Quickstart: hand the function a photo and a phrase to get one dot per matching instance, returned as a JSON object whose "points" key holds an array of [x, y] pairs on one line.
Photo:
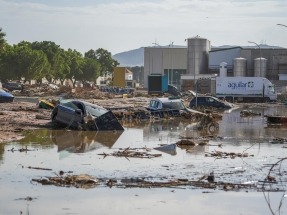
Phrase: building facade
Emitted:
{"points": [[198, 59], [170, 61]]}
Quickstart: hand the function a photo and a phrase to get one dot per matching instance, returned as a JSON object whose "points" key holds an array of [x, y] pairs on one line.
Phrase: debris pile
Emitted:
{"points": [[136, 113], [132, 153], [79, 181], [86, 182], [44, 90], [248, 113], [279, 140], [187, 142], [232, 155]]}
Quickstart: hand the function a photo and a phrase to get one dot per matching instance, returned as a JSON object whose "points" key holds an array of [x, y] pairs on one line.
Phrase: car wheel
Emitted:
{"points": [[267, 99], [213, 127]]}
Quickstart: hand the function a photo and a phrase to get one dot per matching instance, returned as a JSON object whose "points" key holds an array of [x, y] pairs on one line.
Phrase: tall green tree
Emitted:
{"points": [[29, 64], [2, 45], [60, 68], [75, 61], [56, 58], [21, 62], [7, 64], [105, 60], [2, 39], [91, 70]]}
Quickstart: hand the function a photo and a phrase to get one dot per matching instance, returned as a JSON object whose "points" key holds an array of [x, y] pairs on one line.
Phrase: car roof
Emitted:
{"points": [[206, 97], [80, 101], [13, 83], [168, 99], [3, 92]]}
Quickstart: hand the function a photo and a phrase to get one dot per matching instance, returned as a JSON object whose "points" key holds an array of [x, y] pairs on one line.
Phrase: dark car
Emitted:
{"points": [[173, 90], [5, 96], [161, 107], [12, 86], [83, 115], [209, 101]]}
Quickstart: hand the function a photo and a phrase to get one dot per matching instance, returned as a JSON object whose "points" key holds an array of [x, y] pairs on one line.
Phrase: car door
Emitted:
{"points": [[79, 112], [215, 103], [66, 113]]}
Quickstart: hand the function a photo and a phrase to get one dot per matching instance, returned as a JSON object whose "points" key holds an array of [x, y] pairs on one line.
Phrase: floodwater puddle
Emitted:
{"points": [[238, 162]]}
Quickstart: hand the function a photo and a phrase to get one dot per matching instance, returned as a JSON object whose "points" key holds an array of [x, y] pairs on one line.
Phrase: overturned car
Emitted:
{"points": [[81, 115]]}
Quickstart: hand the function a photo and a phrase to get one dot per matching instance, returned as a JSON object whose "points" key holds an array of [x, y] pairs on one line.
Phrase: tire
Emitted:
{"points": [[267, 99], [213, 127]]}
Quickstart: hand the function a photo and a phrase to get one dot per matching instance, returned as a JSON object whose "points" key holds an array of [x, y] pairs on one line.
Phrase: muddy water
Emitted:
{"points": [[81, 152]]}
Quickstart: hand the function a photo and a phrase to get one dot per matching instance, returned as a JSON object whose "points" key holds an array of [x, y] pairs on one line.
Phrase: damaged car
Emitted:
{"points": [[82, 115], [209, 101], [166, 106], [5, 96]]}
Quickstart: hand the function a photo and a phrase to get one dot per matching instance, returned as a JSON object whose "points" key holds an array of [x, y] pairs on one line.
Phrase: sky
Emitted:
{"points": [[123, 25]]}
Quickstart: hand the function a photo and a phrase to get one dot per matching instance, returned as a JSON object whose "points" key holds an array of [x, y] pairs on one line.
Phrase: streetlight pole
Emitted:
{"points": [[171, 63], [170, 73], [260, 56]]}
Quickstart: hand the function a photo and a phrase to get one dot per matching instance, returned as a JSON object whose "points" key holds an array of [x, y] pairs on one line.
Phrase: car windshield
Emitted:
{"points": [[12, 84], [173, 105], [95, 110], [68, 103], [91, 109], [271, 89]]}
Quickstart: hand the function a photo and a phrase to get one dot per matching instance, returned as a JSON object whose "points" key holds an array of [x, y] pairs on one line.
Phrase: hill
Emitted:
{"points": [[130, 58], [134, 57]]}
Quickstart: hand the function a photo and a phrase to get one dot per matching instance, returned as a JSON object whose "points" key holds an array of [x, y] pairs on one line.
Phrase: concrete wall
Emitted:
{"points": [[276, 61], [160, 59]]}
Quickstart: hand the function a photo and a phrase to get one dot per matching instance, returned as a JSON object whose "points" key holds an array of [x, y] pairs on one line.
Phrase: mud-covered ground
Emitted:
{"points": [[24, 113], [239, 155], [20, 116]]}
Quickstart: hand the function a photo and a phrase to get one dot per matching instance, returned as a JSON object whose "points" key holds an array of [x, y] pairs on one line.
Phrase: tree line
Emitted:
{"points": [[38, 60]]}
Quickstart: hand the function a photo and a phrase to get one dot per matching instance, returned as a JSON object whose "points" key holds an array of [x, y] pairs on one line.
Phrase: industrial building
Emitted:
{"points": [[199, 60]]}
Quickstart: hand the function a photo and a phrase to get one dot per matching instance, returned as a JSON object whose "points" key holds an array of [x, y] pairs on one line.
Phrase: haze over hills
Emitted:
{"points": [[135, 57], [130, 58]]}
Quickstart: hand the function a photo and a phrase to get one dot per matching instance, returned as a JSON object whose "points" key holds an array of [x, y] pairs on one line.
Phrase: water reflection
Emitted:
{"points": [[239, 134], [40, 138], [1, 151], [83, 141]]}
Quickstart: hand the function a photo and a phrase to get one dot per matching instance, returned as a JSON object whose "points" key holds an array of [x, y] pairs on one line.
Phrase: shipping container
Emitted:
{"points": [[157, 84]]}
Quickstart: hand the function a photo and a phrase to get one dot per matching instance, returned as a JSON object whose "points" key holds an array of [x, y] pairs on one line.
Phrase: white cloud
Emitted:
{"points": [[123, 25]]}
